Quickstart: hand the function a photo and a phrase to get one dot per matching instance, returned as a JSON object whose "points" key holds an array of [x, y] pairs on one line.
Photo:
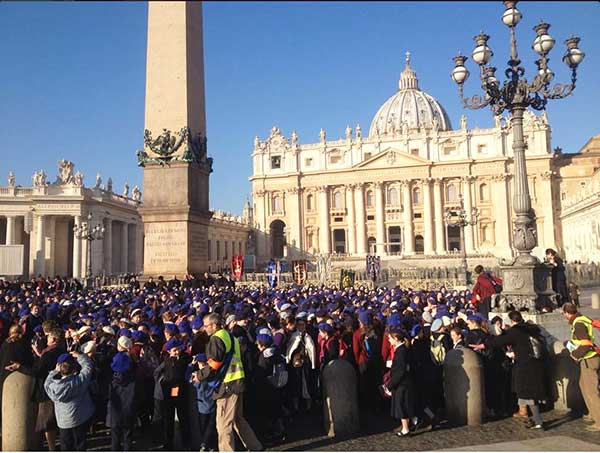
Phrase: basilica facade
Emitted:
{"points": [[387, 190]]}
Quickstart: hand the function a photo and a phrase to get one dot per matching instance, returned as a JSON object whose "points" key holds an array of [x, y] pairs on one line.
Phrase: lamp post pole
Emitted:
{"points": [[460, 218], [89, 233], [526, 280]]}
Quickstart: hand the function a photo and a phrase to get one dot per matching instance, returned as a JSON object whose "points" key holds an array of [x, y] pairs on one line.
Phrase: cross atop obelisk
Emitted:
{"points": [[176, 167]]}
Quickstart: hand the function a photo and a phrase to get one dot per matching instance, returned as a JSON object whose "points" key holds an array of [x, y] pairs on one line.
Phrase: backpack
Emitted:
{"points": [[279, 377], [497, 286], [437, 350]]}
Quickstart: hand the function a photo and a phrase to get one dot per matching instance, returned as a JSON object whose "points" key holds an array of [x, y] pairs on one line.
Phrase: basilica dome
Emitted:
{"points": [[410, 109]]}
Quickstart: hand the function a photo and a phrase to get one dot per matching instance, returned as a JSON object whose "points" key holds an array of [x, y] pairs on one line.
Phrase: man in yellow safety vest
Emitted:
{"points": [[224, 370], [583, 350]]}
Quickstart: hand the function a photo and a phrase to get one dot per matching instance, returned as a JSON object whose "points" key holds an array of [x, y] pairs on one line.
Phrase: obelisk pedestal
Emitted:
{"points": [[175, 209]]}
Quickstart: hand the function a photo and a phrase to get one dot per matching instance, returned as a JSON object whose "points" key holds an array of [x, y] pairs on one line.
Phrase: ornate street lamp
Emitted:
{"points": [[459, 217], [88, 233], [515, 95]]}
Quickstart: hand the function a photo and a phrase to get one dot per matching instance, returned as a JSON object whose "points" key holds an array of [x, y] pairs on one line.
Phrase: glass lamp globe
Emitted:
{"points": [[511, 17]]}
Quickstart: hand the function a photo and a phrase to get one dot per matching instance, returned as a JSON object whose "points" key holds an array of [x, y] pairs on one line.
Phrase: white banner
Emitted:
{"points": [[11, 260]]}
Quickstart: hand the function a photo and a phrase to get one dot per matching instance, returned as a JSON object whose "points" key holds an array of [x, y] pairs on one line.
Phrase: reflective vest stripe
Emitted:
{"points": [[236, 367], [590, 331]]}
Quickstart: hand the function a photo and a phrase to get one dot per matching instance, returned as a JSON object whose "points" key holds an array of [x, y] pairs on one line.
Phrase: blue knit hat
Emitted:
{"points": [[121, 362], [173, 343], [264, 339], [66, 357], [201, 357], [326, 327]]}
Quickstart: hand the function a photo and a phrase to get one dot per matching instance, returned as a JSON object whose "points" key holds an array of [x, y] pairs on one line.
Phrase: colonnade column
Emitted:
{"points": [[428, 217], [108, 268], [76, 250], [361, 224], [409, 231], [124, 247], [40, 252], [440, 236], [10, 230], [324, 233], [351, 219], [380, 219], [469, 244], [84, 254]]}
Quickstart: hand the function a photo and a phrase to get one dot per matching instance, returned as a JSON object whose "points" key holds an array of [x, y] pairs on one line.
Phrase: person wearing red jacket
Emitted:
{"points": [[483, 290]]}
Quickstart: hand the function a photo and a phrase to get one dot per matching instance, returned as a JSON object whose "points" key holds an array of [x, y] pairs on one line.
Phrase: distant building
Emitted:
{"points": [[41, 217]]}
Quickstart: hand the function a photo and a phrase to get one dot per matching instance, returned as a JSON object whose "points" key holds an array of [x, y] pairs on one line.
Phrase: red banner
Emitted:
{"points": [[237, 266]]}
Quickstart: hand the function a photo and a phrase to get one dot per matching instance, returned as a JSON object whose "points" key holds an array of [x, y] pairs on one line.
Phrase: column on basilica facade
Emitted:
{"points": [[440, 236], [50, 238], [324, 234], [259, 198], [380, 219], [125, 247], [40, 252], [294, 229], [108, 257], [351, 219], [84, 258], [76, 250], [548, 212], [409, 231], [428, 217], [10, 230], [502, 216], [361, 223], [467, 189]]}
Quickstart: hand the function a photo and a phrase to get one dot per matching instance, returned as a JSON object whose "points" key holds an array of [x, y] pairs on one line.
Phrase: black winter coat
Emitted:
{"points": [[529, 374], [122, 403]]}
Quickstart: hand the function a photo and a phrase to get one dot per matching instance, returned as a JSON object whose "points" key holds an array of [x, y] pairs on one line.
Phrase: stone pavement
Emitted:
{"points": [[569, 435]]}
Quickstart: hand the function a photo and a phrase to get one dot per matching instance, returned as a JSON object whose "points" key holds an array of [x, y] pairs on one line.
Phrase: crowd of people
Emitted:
{"points": [[247, 360]]}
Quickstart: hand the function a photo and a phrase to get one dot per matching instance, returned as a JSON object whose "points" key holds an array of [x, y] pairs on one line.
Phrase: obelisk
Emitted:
{"points": [[175, 209]]}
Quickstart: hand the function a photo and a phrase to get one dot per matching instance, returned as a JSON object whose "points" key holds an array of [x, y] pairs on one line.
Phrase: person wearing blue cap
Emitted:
{"points": [[68, 387], [205, 403], [171, 377], [121, 412], [330, 349]]}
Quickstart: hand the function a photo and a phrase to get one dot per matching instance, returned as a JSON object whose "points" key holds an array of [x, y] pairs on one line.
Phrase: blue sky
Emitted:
{"points": [[73, 75]]}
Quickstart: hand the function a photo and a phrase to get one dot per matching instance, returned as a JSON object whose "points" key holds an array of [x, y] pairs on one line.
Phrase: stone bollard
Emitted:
{"points": [[596, 301], [563, 379], [19, 414], [464, 387], [340, 399]]}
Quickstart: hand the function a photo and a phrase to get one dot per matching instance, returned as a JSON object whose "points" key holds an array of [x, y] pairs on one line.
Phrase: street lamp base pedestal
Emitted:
{"points": [[526, 287]]}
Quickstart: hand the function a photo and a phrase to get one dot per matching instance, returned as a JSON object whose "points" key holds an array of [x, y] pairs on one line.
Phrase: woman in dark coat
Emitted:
{"points": [[559, 278], [528, 372], [401, 382]]}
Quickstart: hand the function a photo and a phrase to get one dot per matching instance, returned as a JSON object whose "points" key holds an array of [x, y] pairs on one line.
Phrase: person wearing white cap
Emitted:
{"points": [[124, 344]]}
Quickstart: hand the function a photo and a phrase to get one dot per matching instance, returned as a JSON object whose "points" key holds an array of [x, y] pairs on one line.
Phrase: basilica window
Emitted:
{"points": [[416, 196], [308, 162], [338, 202], [367, 156], [275, 162], [414, 151], [218, 250], [310, 203], [452, 196], [277, 204], [485, 233], [482, 149], [369, 199], [209, 251], [392, 197], [309, 239], [484, 192], [449, 150], [335, 157]]}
